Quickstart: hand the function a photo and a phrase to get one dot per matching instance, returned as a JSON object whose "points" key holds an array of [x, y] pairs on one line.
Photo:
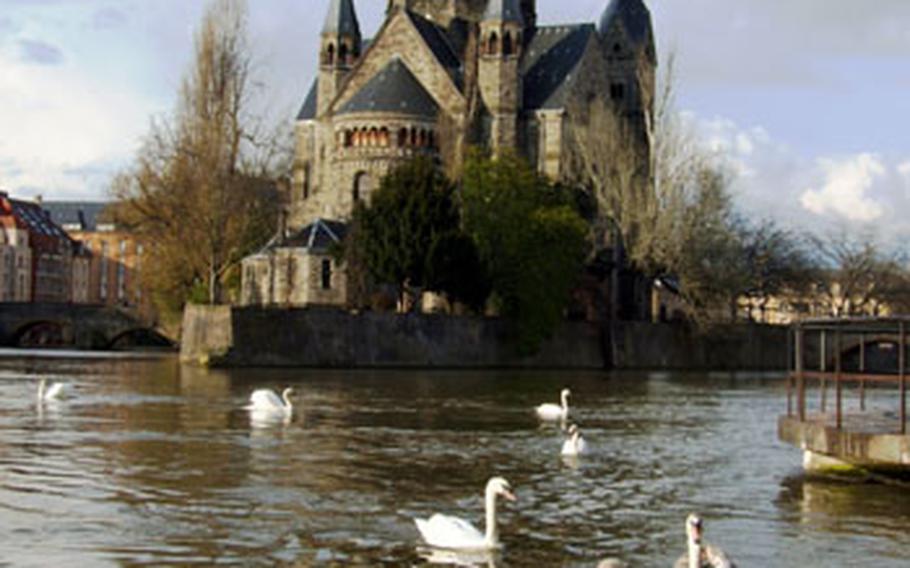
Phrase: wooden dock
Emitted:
{"points": [[844, 360]]}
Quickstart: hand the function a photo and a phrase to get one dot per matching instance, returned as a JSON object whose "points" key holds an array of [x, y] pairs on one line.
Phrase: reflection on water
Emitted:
{"points": [[150, 463]]}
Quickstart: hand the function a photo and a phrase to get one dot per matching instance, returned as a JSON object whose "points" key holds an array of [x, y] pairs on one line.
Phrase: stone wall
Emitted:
{"points": [[325, 337], [643, 345], [333, 338]]}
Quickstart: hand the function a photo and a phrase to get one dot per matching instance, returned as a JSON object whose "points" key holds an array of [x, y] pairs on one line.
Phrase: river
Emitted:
{"points": [[149, 463]]}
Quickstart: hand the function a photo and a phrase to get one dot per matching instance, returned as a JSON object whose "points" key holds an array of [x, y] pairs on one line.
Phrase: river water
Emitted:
{"points": [[153, 464]]}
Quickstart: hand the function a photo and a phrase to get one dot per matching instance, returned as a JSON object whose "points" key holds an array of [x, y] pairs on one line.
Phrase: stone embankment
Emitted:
{"points": [[233, 336]]}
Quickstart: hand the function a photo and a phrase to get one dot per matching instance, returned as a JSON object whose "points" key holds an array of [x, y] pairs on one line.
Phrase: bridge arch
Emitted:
{"points": [[138, 337], [43, 333]]}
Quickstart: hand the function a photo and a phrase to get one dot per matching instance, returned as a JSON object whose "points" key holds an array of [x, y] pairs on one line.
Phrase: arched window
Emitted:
{"points": [[343, 54], [306, 181], [422, 140], [374, 136], [330, 54], [363, 186], [507, 44], [402, 137], [493, 44], [384, 137], [617, 91], [413, 136]]}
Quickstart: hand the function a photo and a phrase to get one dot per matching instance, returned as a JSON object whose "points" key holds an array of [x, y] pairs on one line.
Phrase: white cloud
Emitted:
{"points": [[845, 192], [60, 128], [904, 170]]}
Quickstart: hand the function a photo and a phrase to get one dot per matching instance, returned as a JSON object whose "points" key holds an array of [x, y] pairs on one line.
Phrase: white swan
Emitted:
{"points": [[574, 445], [264, 402], [452, 533], [701, 554], [551, 411], [49, 394]]}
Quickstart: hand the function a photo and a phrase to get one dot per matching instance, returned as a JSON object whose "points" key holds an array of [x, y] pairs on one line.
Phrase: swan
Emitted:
{"points": [[700, 553], [551, 411], [452, 533], [266, 402], [575, 445], [49, 394]]}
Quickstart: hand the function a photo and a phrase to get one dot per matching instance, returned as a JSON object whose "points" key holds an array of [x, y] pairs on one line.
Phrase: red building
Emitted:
{"points": [[52, 250]]}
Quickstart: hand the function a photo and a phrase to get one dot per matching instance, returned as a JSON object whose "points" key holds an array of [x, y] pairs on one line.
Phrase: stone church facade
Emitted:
{"points": [[482, 71]]}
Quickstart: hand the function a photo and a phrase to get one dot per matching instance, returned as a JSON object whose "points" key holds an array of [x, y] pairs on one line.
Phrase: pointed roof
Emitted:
{"points": [[394, 89], [634, 16], [319, 235], [310, 104], [504, 11], [551, 58], [341, 19]]}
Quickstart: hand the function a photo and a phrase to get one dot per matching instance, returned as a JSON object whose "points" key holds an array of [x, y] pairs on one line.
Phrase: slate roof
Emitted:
{"points": [[38, 220], [394, 89], [341, 19], [437, 40], [636, 18], [504, 11], [80, 215], [319, 235], [550, 60], [310, 104]]}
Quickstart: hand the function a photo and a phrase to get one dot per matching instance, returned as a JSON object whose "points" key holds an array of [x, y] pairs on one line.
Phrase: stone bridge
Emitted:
{"points": [[75, 326]]}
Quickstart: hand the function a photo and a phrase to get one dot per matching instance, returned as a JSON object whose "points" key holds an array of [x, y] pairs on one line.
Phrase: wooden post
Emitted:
{"points": [[823, 367], [838, 386], [791, 337], [800, 379], [862, 371], [902, 363]]}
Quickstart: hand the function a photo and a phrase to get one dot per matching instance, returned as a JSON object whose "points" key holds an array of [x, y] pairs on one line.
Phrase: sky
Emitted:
{"points": [[808, 101]]}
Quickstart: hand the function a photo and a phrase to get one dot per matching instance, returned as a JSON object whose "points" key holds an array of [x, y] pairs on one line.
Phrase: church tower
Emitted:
{"points": [[340, 48], [627, 40], [502, 32]]}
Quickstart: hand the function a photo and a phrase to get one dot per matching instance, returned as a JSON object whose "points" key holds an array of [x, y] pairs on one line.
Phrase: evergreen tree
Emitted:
{"points": [[531, 241]]}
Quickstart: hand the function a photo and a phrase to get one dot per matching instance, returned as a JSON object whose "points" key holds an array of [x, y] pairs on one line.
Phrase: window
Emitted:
{"points": [[326, 274], [102, 280], [507, 44], [617, 91], [493, 44], [121, 281], [363, 185]]}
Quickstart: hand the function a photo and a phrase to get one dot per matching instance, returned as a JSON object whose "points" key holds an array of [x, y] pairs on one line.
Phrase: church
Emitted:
{"points": [[437, 76]]}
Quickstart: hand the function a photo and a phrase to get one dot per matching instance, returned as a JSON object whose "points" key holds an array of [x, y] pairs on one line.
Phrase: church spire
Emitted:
{"points": [[504, 11], [340, 50], [341, 19]]}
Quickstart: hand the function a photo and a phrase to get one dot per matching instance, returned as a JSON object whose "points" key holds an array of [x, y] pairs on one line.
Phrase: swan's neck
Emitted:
{"points": [[694, 554], [287, 401], [41, 389], [565, 402], [492, 536]]}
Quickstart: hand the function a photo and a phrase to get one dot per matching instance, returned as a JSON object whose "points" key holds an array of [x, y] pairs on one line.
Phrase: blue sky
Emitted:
{"points": [[808, 99]]}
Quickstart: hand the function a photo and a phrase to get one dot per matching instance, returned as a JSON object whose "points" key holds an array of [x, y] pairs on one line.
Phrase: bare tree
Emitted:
{"points": [[857, 277], [666, 199], [200, 190]]}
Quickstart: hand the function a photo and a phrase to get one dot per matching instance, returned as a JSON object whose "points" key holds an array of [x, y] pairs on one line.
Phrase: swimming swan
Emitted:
{"points": [[575, 445], [265, 401], [551, 411], [700, 553], [49, 394], [452, 533]]}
